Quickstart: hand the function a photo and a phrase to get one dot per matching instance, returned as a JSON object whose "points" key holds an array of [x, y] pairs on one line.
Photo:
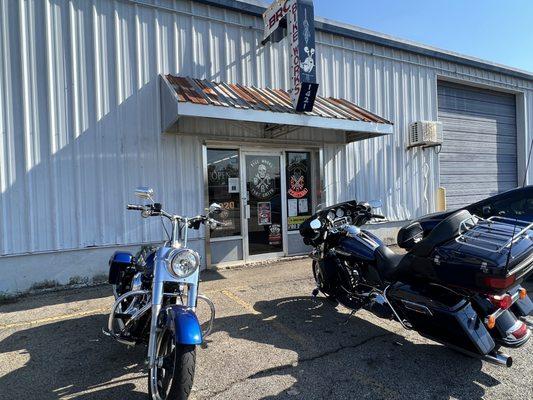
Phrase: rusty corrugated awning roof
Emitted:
{"points": [[203, 98]]}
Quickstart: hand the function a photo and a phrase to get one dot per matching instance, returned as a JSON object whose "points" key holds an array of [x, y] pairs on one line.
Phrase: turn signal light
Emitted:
{"points": [[522, 294], [499, 283], [491, 321], [503, 302]]}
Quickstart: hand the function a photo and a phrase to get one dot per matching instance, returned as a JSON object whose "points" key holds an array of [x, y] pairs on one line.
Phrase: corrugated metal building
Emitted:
{"points": [[81, 126]]}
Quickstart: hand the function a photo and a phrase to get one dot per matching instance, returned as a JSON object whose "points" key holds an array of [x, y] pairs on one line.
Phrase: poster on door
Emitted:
{"points": [[274, 235], [264, 213], [299, 192]]}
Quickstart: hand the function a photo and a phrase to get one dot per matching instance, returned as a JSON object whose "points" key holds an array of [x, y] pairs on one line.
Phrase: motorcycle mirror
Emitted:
{"points": [[315, 224], [215, 209], [144, 192], [375, 203]]}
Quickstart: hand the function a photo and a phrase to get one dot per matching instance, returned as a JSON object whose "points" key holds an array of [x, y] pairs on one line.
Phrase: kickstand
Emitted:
{"points": [[348, 319]]}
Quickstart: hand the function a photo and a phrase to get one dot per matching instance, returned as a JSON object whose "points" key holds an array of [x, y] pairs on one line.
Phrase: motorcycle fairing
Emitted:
{"points": [[184, 323]]}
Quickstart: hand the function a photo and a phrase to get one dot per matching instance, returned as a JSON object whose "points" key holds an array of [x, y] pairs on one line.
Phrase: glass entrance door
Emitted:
{"points": [[264, 210]]}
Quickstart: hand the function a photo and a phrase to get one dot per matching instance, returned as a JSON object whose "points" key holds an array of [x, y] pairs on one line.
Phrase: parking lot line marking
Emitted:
{"points": [[276, 324], [61, 317], [247, 306]]}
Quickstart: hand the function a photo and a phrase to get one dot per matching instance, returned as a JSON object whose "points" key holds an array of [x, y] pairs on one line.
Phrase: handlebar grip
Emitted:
{"points": [[378, 216], [134, 207], [217, 223]]}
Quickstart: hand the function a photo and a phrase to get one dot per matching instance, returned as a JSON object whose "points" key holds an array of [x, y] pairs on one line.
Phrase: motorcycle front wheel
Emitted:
{"points": [[322, 282], [172, 376]]}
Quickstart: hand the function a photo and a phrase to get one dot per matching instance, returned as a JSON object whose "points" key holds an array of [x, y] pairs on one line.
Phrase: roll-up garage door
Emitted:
{"points": [[478, 155]]}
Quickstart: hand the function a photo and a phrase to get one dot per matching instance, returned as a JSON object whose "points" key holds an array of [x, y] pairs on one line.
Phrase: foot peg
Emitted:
{"points": [[315, 292]]}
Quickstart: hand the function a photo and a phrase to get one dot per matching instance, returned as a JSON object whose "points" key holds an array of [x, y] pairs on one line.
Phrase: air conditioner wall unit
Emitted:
{"points": [[425, 134]]}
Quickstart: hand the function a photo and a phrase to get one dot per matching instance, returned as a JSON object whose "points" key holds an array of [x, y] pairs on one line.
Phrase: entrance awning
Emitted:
{"points": [[188, 97]]}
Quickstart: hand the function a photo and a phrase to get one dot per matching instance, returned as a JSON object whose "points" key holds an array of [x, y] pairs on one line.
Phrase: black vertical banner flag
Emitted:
{"points": [[301, 33]]}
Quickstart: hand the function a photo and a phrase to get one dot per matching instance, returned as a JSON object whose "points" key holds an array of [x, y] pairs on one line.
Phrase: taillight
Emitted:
{"points": [[499, 283], [503, 302], [520, 332]]}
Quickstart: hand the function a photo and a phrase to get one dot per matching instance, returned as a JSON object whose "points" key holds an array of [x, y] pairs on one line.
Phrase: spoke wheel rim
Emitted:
{"points": [[162, 374]]}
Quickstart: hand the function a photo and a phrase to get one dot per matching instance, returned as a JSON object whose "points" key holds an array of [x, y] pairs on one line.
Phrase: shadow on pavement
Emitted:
{"points": [[68, 294], [335, 360], [61, 296], [353, 360], [68, 357]]}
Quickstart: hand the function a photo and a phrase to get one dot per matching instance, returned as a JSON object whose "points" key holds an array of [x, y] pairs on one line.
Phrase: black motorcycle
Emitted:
{"points": [[458, 284]]}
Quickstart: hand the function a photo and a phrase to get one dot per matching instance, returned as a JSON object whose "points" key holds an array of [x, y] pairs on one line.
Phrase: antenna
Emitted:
{"points": [[516, 215]]}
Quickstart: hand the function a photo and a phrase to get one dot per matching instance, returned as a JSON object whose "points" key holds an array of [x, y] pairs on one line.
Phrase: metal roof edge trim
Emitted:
{"points": [[186, 109], [353, 32]]}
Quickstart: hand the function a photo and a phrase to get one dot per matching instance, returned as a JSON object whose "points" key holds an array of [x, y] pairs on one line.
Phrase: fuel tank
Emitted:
{"points": [[358, 247]]}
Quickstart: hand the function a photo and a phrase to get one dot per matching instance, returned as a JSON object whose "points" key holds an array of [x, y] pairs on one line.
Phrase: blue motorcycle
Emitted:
{"points": [[459, 284], [156, 294]]}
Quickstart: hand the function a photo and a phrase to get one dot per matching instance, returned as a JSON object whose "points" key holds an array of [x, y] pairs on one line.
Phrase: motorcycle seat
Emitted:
{"points": [[444, 231], [388, 263]]}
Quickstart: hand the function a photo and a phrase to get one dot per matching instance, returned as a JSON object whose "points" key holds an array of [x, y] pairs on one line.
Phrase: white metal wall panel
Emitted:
{"points": [[479, 155], [79, 114]]}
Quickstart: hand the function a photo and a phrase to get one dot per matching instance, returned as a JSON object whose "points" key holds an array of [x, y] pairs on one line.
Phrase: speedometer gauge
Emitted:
{"points": [[331, 215], [340, 213]]}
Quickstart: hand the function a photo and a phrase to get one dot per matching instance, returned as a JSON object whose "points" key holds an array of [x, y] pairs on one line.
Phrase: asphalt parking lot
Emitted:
{"points": [[271, 340]]}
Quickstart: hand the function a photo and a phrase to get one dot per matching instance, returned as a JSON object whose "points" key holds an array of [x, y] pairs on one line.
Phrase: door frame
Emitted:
{"points": [[317, 160], [244, 200]]}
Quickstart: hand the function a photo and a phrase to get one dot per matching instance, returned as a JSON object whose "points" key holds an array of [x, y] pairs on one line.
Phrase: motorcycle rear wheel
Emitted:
{"points": [[174, 373]]}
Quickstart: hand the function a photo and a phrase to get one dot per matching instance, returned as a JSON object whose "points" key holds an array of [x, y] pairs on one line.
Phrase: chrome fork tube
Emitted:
{"points": [[175, 239], [192, 294], [157, 302]]}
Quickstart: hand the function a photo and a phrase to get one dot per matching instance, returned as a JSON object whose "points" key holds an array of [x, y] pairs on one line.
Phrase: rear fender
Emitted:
{"points": [[523, 307], [184, 323]]}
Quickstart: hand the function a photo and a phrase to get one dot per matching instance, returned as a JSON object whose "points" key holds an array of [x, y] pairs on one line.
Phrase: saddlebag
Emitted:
{"points": [[119, 263], [442, 316]]}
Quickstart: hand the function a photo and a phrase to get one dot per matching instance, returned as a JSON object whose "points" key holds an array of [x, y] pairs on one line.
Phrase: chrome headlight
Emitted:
{"points": [[182, 263]]}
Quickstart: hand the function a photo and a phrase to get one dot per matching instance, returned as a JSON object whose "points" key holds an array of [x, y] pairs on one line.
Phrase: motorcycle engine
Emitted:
{"points": [[351, 277]]}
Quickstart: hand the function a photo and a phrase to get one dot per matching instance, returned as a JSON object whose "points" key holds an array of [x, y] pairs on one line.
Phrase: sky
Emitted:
{"points": [[500, 31]]}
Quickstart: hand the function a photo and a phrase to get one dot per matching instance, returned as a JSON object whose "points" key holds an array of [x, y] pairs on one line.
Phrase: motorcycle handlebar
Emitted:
{"points": [[378, 216], [135, 207], [217, 223]]}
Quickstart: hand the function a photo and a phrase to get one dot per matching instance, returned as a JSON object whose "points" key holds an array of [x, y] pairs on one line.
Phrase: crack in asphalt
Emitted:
{"points": [[298, 363]]}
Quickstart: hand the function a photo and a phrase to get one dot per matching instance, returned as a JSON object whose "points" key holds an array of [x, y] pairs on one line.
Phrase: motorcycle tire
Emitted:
{"points": [[321, 282], [181, 363]]}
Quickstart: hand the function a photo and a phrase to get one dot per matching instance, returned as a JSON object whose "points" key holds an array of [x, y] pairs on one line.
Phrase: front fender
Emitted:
{"points": [[184, 323]]}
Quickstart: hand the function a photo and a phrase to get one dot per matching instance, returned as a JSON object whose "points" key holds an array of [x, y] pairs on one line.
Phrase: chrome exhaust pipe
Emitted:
{"points": [[499, 359]]}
